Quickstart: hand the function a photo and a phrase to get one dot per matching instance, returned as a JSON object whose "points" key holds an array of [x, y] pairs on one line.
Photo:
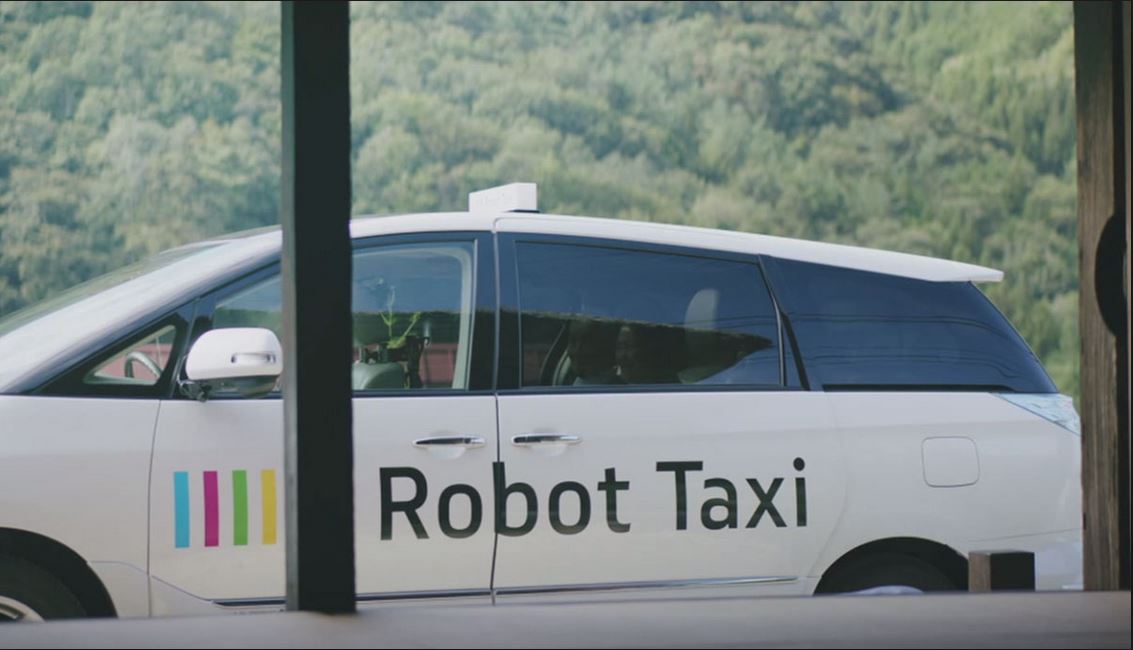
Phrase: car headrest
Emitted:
{"points": [[702, 310]]}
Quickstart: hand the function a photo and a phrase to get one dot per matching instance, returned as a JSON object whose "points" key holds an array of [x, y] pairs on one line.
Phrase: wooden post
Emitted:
{"points": [[1124, 477], [318, 456], [1001, 571], [1101, 36], [1124, 482]]}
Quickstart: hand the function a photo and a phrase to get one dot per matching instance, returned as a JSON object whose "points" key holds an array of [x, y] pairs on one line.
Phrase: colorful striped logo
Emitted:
{"points": [[208, 512]]}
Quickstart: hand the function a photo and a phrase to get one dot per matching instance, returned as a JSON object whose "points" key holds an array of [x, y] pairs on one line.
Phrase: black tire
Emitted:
{"points": [[35, 588], [887, 569]]}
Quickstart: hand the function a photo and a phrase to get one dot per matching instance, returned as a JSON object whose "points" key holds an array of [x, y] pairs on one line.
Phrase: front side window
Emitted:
{"points": [[412, 312], [141, 363], [593, 316], [412, 309]]}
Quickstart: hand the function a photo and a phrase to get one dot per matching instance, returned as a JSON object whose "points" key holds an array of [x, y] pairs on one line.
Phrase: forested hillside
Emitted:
{"points": [[944, 129]]}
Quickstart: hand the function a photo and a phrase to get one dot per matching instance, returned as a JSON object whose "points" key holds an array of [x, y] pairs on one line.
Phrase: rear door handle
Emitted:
{"points": [[530, 439], [438, 442]]}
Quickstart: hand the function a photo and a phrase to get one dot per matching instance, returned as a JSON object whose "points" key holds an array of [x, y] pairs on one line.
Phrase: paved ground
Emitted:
{"points": [[1067, 620]]}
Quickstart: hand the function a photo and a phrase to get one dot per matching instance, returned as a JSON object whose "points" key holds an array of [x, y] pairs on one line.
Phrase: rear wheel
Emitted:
{"points": [[30, 593], [887, 570]]}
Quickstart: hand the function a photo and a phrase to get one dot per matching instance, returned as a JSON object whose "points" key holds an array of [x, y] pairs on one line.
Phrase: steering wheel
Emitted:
{"points": [[145, 360]]}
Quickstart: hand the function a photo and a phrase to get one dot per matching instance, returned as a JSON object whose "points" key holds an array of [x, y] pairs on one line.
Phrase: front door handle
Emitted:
{"points": [[529, 439], [467, 442]]}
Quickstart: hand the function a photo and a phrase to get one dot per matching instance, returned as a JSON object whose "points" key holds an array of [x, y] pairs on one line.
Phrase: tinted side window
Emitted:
{"points": [[861, 330], [605, 316]]}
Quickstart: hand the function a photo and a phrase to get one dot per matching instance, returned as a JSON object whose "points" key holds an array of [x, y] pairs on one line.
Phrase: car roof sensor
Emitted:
{"points": [[514, 197]]}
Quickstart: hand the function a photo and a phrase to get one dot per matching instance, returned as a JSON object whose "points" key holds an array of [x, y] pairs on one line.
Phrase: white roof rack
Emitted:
{"points": [[514, 197]]}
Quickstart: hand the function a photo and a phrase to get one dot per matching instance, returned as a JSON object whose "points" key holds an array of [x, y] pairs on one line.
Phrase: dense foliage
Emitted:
{"points": [[944, 129]]}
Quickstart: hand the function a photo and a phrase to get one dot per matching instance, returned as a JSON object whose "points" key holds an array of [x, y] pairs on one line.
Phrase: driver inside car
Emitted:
{"points": [[590, 346]]}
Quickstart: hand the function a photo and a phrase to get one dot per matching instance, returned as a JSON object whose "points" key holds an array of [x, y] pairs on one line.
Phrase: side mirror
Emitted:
{"points": [[248, 360]]}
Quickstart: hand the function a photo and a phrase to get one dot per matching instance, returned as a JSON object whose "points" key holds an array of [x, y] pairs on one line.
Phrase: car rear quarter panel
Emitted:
{"points": [[1028, 482]]}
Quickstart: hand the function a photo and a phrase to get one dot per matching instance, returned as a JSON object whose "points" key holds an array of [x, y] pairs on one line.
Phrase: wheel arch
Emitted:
{"points": [[62, 562], [941, 556]]}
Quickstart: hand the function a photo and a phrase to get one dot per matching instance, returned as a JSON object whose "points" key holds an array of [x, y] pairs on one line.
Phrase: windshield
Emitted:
{"points": [[21, 317], [54, 333]]}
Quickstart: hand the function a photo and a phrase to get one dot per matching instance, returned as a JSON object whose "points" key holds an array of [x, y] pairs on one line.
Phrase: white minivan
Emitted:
{"points": [[545, 407]]}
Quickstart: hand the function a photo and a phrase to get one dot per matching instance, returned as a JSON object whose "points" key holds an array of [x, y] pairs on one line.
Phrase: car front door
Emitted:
{"points": [[652, 436], [424, 420]]}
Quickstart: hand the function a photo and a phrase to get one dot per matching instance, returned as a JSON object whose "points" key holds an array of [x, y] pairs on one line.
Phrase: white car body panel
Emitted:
{"points": [[250, 434], [384, 432], [88, 458], [1023, 466], [218, 436], [735, 435], [77, 471], [128, 585]]}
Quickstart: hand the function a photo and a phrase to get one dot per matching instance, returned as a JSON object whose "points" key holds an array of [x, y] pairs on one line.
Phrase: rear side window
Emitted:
{"points": [[868, 331], [597, 316]]}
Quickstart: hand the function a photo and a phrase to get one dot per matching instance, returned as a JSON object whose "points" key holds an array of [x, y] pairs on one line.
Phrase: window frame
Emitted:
{"points": [[509, 371]]}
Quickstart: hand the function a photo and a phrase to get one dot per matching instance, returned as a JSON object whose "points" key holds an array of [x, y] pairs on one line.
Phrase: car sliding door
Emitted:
{"points": [[653, 437]]}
